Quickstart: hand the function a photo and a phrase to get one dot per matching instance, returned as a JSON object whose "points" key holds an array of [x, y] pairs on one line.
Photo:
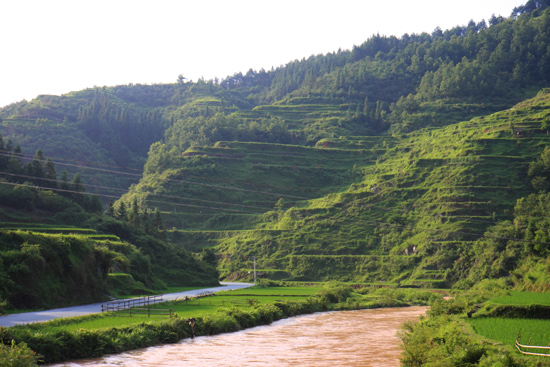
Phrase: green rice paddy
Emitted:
{"points": [[533, 331], [283, 291], [184, 308], [523, 298], [507, 330]]}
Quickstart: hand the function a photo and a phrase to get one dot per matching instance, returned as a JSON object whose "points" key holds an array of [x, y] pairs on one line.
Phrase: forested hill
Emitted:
{"points": [[330, 166], [385, 84]]}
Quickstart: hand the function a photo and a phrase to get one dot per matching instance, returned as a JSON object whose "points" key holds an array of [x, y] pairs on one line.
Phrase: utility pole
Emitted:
{"points": [[246, 258]]}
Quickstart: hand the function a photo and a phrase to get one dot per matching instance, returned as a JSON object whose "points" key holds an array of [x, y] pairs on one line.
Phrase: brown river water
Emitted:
{"points": [[348, 338]]}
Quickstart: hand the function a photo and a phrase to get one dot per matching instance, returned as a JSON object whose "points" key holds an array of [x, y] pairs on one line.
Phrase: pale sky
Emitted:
{"points": [[59, 46]]}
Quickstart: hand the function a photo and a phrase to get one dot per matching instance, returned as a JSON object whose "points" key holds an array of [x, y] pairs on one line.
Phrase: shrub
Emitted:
{"points": [[438, 341], [497, 360], [269, 313], [245, 319], [463, 302], [334, 292], [265, 283], [17, 355]]}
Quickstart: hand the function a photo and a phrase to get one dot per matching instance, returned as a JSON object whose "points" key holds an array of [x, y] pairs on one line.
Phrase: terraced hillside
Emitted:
{"points": [[385, 163], [246, 179], [299, 115], [57, 229], [353, 206]]}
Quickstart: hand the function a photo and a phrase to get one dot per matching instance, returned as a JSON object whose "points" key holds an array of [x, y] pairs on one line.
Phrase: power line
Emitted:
{"points": [[55, 189], [203, 207], [183, 181], [2, 153], [125, 191], [9, 154], [79, 163], [504, 238], [116, 197], [435, 230], [240, 211]]}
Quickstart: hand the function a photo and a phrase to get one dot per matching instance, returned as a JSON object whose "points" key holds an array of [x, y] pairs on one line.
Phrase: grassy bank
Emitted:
{"points": [[96, 335], [448, 337]]}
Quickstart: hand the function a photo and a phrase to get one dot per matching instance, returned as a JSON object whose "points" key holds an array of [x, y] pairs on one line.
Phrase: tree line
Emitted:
{"points": [[40, 172]]}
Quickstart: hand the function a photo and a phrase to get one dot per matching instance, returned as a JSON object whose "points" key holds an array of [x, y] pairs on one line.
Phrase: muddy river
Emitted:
{"points": [[349, 338]]}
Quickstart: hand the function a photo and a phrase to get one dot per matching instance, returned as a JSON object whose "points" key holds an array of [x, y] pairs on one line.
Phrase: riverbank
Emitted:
{"points": [[95, 308], [479, 327], [70, 343], [359, 338]]}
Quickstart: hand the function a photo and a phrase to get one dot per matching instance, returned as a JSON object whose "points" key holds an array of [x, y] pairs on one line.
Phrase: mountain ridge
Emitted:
{"points": [[385, 163]]}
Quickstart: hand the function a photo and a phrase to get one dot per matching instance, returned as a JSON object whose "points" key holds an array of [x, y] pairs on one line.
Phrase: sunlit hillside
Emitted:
{"points": [[392, 162]]}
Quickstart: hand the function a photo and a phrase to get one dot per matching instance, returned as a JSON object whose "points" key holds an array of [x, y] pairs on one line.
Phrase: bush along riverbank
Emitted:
{"points": [[59, 340], [455, 332]]}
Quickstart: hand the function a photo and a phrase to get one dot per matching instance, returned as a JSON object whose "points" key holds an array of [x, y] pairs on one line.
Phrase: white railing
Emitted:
{"points": [[532, 350]]}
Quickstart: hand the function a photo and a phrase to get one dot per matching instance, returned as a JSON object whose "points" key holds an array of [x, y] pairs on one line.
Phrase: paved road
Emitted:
{"points": [[41, 316]]}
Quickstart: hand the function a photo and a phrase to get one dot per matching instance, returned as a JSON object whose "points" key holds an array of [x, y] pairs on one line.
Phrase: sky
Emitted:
{"points": [[59, 46]]}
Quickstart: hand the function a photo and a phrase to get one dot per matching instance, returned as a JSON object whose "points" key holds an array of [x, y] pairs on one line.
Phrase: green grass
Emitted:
{"points": [[162, 291], [533, 331], [369, 196], [505, 330], [276, 291], [523, 298], [194, 307]]}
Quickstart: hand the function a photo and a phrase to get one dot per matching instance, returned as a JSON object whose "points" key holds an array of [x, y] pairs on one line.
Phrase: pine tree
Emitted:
{"points": [[134, 213], [121, 213], [110, 210], [157, 220], [366, 110], [35, 169], [145, 219], [64, 184], [51, 175], [77, 184], [14, 164], [78, 187]]}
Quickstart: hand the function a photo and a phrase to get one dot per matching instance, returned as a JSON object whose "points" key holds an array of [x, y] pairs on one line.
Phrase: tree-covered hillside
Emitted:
{"points": [[58, 248], [350, 208], [385, 83], [386, 162]]}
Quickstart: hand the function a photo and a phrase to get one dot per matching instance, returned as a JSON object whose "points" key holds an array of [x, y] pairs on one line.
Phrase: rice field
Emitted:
{"points": [[278, 291], [506, 330], [523, 298], [193, 307], [533, 331]]}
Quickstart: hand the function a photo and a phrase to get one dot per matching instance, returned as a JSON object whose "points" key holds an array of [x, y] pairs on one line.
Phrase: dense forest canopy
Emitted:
{"points": [[386, 82]]}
